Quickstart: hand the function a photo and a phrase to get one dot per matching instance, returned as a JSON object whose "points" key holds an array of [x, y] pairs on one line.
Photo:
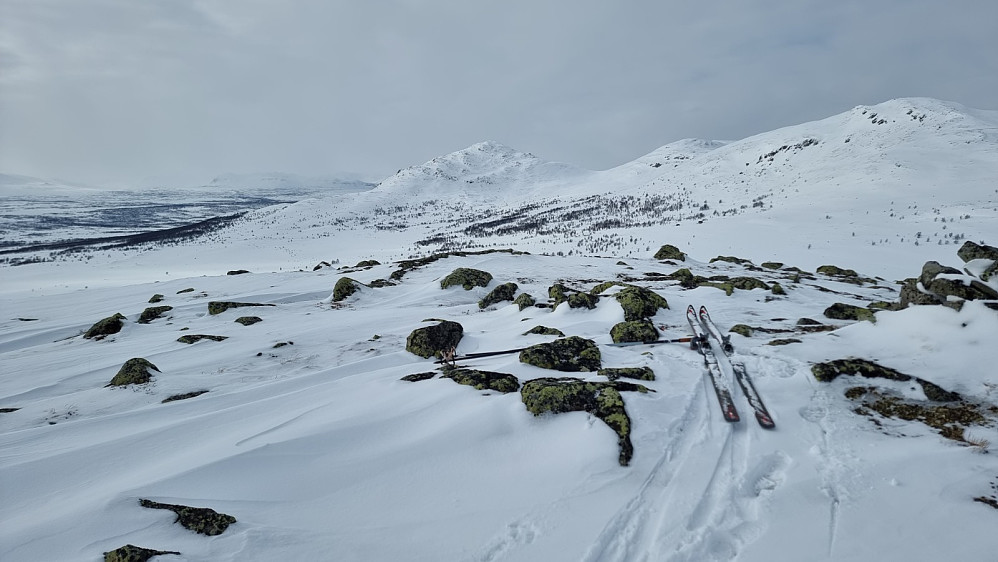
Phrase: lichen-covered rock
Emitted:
{"points": [[194, 338], [544, 331], [602, 287], [367, 263], [970, 290], [669, 252], [772, 264], [582, 300], [483, 380], [731, 259], [344, 288], [743, 329], [132, 553], [187, 290], [830, 370], [910, 294], [836, 271], [434, 341], [783, 341], [638, 373], [106, 327], [155, 298], [184, 396], [603, 400], [778, 289], [557, 294], [748, 283], [466, 277], [569, 354], [153, 312], [248, 320], [842, 311], [686, 278], [201, 520], [524, 301], [133, 371], [639, 302], [416, 377], [634, 331], [501, 293], [218, 307], [974, 251], [932, 269]]}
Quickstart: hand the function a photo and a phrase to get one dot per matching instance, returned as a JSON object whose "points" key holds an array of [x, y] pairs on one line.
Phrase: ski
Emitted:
{"points": [[633, 343], [701, 343], [741, 375]]}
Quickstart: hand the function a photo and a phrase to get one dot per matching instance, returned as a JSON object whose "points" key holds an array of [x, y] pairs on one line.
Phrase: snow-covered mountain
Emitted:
{"points": [[304, 417]]}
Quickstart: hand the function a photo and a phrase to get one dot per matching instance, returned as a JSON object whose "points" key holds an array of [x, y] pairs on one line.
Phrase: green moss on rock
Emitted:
{"points": [[731, 259], [603, 400], [156, 298], [743, 329], [582, 300], [748, 283], [503, 292], [218, 307], [194, 338], [132, 553], [106, 327], [634, 331], [434, 341], [483, 380], [367, 263], [248, 320], [639, 302], [842, 311], [669, 252], [544, 331], [133, 371], [153, 312], [466, 277], [345, 287], [524, 301], [637, 373], [569, 354], [836, 271], [201, 520]]}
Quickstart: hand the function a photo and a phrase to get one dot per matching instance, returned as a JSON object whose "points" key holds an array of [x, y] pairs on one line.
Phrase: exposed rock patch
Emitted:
{"points": [[218, 307], [467, 278], [416, 377], [434, 341], [670, 252], [153, 312], [544, 331], [569, 354], [345, 287], [248, 320], [637, 373], [132, 553], [201, 520], [155, 298], [133, 371], [183, 396], [634, 331], [842, 311], [639, 302], [482, 380], [503, 292], [524, 301], [106, 327], [194, 338]]}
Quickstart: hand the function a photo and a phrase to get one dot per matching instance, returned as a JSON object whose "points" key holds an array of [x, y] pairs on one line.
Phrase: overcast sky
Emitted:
{"points": [[118, 92]]}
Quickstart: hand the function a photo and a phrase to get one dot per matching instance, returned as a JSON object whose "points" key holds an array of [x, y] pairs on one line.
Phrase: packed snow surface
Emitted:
{"points": [[308, 436]]}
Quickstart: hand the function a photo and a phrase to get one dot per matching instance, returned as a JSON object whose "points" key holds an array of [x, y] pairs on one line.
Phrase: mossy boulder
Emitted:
{"points": [[911, 294], [248, 320], [600, 399], [686, 278], [201, 520], [836, 271], [544, 331], [367, 263], [830, 370], [194, 338], [132, 553], [218, 307], [743, 329], [669, 252], [416, 377], [639, 302], [557, 294], [380, 284], [483, 380], [106, 327], [524, 301], [156, 298], [772, 264], [842, 311], [966, 288], [466, 277], [345, 287], [503, 292], [783, 341], [748, 283], [582, 300], [778, 290], [153, 312], [434, 341], [602, 287], [932, 269], [637, 373], [133, 371], [634, 331], [731, 259], [569, 354], [974, 251]]}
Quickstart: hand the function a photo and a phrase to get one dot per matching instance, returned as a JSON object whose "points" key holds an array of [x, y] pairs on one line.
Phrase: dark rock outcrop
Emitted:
{"points": [[106, 327], [637, 373], [634, 331], [248, 320], [524, 301], [218, 307], [545, 331], [670, 252], [344, 288], [569, 354], [503, 292], [482, 380], [153, 312], [466, 277], [194, 338], [842, 311], [132, 553], [133, 371], [434, 341], [639, 302], [973, 251], [201, 520]]}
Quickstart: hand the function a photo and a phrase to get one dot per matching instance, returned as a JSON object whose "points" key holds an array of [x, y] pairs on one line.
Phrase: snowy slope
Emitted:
{"points": [[320, 451]]}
